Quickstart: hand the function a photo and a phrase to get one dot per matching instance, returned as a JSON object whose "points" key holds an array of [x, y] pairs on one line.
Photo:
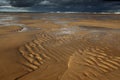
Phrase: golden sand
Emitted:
{"points": [[60, 47]]}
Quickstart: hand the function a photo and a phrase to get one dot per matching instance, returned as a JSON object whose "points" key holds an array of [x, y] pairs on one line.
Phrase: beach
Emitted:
{"points": [[59, 46]]}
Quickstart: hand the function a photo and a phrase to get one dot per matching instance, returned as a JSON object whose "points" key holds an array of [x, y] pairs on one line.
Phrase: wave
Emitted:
{"points": [[86, 12]]}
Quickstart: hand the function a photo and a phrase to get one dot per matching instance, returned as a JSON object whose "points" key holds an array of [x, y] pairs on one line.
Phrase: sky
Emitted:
{"points": [[59, 5]]}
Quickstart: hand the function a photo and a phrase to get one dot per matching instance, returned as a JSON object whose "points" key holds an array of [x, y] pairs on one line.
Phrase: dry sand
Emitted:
{"points": [[36, 46]]}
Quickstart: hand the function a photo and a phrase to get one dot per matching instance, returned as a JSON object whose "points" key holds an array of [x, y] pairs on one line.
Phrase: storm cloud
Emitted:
{"points": [[64, 5], [25, 3]]}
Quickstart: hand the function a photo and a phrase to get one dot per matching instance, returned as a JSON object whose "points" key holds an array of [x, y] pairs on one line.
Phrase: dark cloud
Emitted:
{"points": [[20, 3], [4, 2], [65, 5]]}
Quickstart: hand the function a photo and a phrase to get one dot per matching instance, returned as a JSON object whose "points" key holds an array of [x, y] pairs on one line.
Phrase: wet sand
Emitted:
{"points": [[42, 46]]}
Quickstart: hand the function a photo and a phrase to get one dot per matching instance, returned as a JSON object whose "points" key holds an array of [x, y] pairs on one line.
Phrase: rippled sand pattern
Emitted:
{"points": [[90, 54], [49, 46]]}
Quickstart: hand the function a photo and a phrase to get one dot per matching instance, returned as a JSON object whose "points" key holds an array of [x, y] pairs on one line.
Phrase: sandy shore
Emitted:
{"points": [[41, 46]]}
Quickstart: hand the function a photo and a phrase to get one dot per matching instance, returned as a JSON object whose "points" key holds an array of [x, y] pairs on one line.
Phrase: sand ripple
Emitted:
{"points": [[83, 55]]}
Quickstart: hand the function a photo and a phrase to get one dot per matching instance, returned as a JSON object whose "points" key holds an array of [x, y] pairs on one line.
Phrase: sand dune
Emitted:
{"points": [[76, 51]]}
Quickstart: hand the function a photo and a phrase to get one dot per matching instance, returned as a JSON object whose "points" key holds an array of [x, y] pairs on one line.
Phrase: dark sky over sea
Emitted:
{"points": [[60, 6]]}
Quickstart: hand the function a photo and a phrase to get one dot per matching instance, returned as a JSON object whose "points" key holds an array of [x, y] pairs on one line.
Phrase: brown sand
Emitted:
{"points": [[60, 47]]}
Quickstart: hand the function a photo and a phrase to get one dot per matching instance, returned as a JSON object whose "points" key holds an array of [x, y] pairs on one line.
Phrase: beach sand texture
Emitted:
{"points": [[60, 47]]}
